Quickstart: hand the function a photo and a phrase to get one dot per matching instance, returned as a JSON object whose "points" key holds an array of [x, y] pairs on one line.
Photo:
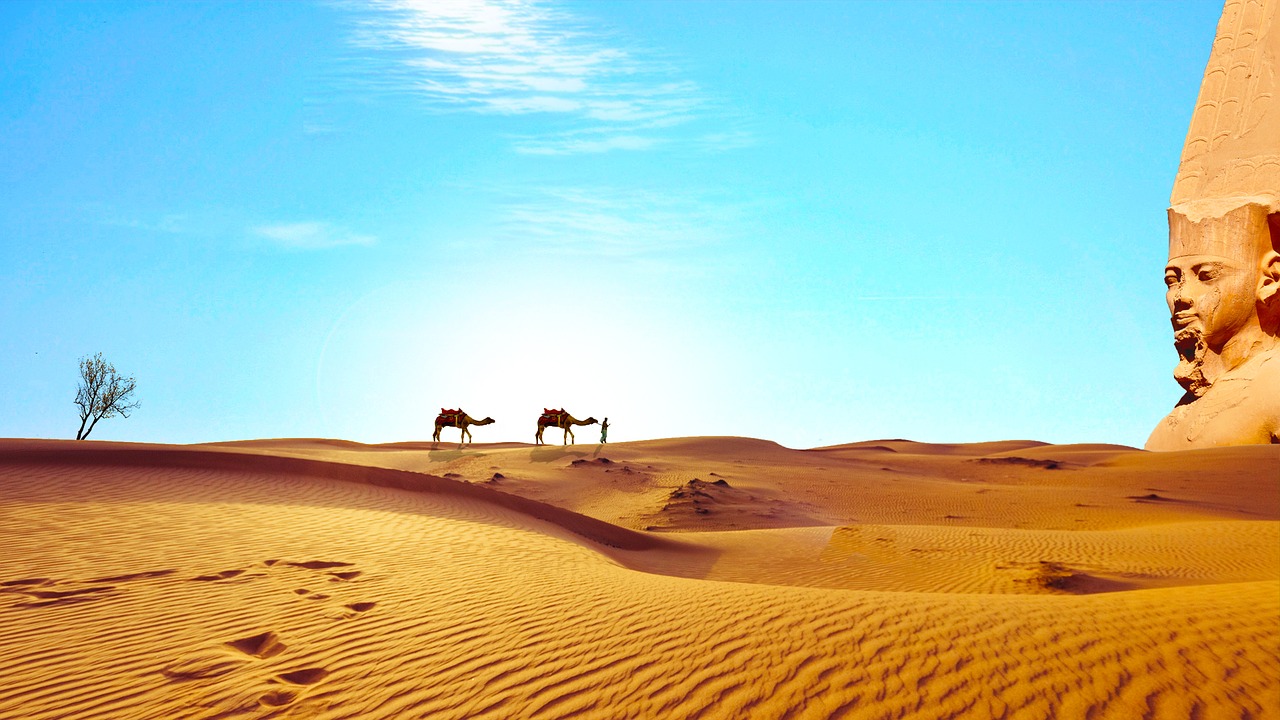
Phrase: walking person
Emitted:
{"points": [[604, 431]]}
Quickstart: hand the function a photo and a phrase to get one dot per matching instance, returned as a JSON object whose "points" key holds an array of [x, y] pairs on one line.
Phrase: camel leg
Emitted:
{"points": [[537, 437], [568, 434], [466, 435], [435, 437]]}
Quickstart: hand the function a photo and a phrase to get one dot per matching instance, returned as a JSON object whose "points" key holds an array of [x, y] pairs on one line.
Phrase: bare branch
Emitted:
{"points": [[103, 393]]}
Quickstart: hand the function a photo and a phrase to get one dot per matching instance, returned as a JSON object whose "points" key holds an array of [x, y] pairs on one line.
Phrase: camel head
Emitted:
{"points": [[486, 421], [590, 421]]}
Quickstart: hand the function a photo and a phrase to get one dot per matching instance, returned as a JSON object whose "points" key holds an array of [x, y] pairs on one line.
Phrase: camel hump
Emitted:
{"points": [[552, 415], [450, 414]]}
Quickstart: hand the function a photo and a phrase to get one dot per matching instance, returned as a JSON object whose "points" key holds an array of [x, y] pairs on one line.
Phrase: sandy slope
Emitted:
{"points": [[313, 578]]}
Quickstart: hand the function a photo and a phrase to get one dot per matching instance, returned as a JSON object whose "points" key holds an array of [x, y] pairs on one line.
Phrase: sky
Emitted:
{"points": [[808, 222]]}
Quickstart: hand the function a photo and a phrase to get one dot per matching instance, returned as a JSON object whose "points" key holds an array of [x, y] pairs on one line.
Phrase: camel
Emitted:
{"points": [[561, 419], [459, 419]]}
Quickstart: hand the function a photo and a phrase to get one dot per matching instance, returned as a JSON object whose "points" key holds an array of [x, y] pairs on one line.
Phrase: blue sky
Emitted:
{"points": [[808, 222]]}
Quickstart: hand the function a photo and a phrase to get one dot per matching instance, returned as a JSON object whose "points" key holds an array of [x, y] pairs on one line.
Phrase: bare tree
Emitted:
{"points": [[102, 393]]}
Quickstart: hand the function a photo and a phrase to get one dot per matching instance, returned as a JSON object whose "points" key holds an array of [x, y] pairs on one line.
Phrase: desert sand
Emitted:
{"points": [[680, 578]]}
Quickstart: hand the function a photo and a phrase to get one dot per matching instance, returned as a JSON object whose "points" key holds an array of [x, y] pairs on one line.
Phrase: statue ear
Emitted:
{"points": [[1269, 282]]}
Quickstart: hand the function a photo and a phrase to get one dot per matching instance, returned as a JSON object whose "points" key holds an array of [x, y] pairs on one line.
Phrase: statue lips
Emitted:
{"points": [[1182, 320]]}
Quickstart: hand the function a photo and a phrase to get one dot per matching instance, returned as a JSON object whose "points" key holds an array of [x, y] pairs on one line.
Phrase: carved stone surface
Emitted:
{"points": [[1223, 274], [1233, 144]]}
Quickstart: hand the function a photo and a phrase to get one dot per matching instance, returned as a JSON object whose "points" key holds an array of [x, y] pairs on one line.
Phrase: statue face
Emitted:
{"points": [[1211, 298]]}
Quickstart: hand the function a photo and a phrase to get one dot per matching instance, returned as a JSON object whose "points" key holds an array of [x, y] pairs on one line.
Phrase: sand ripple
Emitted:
{"points": [[131, 590]]}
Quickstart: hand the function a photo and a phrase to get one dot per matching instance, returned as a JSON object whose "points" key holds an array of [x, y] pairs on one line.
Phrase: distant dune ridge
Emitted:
{"points": [[680, 578]]}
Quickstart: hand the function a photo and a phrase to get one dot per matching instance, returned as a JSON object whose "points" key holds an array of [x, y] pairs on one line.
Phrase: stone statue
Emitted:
{"points": [[1223, 274]]}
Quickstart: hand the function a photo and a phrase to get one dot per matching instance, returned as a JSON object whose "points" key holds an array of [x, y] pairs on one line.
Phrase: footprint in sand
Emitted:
{"points": [[129, 577], [288, 696], [352, 610], [44, 594], [277, 698], [305, 676], [318, 564], [213, 662], [202, 664], [262, 645], [223, 575], [38, 593], [48, 592], [27, 582], [348, 610]]}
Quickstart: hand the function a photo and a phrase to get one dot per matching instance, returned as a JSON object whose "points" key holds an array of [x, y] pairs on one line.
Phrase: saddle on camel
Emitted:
{"points": [[459, 419], [558, 419]]}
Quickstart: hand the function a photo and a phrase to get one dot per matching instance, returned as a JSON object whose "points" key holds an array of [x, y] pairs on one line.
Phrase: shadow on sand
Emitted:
{"points": [[547, 453], [453, 454]]}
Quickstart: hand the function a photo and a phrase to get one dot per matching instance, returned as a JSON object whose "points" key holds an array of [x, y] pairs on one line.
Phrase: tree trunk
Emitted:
{"points": [[86, 432]]}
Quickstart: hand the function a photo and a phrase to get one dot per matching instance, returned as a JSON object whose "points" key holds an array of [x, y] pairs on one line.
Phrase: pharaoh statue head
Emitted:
{"points": [[1223, 273], [1223, 278], [1223, 293]]}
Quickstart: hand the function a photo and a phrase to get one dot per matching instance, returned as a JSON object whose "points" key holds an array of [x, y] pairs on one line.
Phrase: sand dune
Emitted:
{"points": [[680, 578]]}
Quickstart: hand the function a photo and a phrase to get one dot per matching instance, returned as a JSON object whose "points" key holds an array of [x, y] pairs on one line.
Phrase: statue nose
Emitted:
{"points": [[1179, 296]]}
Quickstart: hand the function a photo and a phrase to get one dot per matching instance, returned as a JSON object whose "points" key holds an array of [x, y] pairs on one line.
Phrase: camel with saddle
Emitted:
{"points": [[459, 419], [560, 419]]}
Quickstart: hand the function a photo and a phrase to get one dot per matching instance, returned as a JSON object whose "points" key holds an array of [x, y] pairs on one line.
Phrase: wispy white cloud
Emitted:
{"points": [[311, 235], [524, 57], [612, 222], [562, 145]]}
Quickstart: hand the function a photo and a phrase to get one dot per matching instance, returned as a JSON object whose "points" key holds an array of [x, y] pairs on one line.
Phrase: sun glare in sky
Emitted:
{"points": [[807, 222]]}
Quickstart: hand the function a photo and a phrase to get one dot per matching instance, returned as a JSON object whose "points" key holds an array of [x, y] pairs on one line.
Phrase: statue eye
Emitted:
{"points": [[1170, 279], [1207, 275]]}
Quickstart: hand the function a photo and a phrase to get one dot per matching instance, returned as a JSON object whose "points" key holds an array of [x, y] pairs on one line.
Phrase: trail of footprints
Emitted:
{"points": [[287, 685], [47, 592], [327, 571], [38, 592], [238, 654]]}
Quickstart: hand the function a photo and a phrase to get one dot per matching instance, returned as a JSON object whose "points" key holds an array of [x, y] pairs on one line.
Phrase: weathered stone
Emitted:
{"points": [[1223, 274]]}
